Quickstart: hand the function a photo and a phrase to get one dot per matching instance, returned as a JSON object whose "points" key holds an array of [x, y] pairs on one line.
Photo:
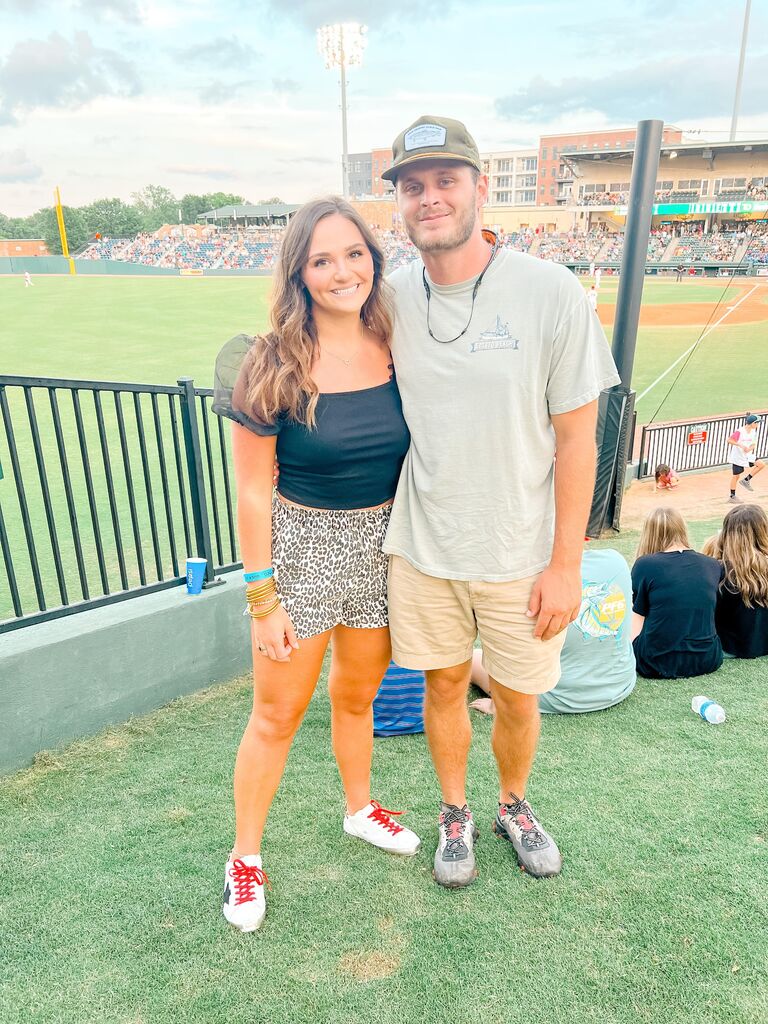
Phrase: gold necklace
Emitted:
{"points": [[347, 361]]}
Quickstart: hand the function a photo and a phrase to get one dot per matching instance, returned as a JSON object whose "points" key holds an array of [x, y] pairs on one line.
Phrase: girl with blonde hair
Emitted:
{"points": [[318, 391], [741, 615], [674, 592]]}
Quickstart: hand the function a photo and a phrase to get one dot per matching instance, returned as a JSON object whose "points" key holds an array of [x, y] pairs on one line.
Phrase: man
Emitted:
{"points": [[499, 360], [742, 456]]}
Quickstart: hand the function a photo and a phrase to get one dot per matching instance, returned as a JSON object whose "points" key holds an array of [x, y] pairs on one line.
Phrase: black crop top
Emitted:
{"points": [[352, 457]]}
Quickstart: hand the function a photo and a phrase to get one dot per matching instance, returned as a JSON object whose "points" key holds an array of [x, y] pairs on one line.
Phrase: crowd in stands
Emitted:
{"points": [[570, 247], [603, 199], [719, 247], [215, 249], [257, 249]]}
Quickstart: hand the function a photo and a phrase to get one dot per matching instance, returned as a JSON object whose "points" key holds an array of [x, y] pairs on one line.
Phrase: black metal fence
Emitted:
{"points": [[695, 444], [105, 490]]}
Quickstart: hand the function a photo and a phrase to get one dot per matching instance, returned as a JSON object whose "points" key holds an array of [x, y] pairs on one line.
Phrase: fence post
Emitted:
{"points": [[642, 456], [196, 479]]}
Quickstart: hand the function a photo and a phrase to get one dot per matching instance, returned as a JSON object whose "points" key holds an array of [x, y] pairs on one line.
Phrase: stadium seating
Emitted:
{"points": [[230, 250]]}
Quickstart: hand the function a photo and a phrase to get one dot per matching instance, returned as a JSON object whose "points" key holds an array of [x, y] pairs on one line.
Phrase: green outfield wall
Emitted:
{"points": [[41, 265]]}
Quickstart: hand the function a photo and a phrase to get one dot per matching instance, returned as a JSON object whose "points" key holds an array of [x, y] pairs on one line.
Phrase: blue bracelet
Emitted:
{"points": [[263, 574]]}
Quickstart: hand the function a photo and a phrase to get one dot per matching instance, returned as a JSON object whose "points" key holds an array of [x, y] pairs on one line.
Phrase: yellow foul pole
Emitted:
{"points": [[63, 231]]}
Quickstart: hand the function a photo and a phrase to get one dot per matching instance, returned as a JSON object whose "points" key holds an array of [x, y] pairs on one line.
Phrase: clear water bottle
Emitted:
{"points": [[708, 710]]}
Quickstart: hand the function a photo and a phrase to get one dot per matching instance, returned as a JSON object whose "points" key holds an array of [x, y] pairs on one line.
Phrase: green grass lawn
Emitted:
{"points": [[154, 330], [112, 852]]}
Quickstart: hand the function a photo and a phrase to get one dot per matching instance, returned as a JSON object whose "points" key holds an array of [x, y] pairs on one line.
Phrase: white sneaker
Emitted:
{"points": [[244, 901], [374, 825]]}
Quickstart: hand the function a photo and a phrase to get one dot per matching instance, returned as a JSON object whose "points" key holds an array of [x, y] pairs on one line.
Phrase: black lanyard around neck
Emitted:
{"points": [[475, 290]]}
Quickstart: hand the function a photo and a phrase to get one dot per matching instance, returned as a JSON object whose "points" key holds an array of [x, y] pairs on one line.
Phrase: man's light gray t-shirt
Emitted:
{"points": [[475, 499]]}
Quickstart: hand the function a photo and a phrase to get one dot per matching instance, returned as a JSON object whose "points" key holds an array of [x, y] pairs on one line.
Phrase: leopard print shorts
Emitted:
{"points": [[329, 566]]}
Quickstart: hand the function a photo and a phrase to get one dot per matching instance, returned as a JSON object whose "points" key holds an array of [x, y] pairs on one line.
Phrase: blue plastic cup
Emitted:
{"points": [[196, 574]]}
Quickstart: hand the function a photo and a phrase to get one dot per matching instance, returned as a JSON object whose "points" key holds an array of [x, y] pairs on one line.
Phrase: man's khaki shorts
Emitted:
{"points": [[434, 624]]}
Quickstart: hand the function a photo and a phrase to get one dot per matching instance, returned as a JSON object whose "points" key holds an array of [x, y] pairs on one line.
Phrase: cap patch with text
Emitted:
{"points": [[433, 138], [424, 135]]}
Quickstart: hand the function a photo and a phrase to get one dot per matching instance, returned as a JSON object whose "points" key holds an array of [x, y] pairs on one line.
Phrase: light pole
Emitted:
{"points": [[740, 72], [341, 46]]}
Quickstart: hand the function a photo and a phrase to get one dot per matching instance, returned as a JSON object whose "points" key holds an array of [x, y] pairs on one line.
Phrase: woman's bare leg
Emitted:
{"points": [[482, 680], [281, 693], [359, 660]]}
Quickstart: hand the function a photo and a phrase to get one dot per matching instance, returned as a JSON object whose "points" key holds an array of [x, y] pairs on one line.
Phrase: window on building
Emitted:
{"points": [[551, 190], [527, 180], [542, 190], [544, 153], [543, 172], [502, 197], [503, 181]]}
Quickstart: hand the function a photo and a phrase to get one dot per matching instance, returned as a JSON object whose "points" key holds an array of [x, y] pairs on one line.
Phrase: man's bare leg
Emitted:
{"points": [[448, 730], [449, 734], [514, 739]]}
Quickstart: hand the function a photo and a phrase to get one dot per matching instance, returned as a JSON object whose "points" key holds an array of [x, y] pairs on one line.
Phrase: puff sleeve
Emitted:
{"points": [[228, 387]]}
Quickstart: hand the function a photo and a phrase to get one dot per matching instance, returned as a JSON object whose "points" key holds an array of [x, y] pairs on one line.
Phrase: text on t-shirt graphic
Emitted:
{"points": [[494, 338]]}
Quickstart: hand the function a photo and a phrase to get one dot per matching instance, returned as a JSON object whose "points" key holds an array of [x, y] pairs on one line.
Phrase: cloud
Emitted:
{"points": [[58, 72], [219, 173], [314, 13], [224, 51], [124, 10], [219, 91], [305, 160], [674, 89], [16, 168], [285, 86]]}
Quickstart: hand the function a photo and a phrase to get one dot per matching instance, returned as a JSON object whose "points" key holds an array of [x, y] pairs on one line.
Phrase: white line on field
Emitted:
{"points": [[709, 330]]}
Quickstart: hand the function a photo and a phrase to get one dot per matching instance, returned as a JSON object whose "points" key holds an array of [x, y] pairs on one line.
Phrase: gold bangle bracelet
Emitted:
{"points": [[263, 615]]}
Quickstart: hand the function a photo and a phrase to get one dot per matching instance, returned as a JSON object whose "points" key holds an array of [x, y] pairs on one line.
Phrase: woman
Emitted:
{"points": [[674, 592], [319, 393], [741, 615]]}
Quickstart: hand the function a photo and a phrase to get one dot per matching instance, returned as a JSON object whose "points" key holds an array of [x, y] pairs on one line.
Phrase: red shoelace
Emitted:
{"points": [[382, 817], [244, 878]]}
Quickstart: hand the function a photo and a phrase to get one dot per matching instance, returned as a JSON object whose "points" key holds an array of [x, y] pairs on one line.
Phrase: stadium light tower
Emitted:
{"points": [[341, 46], [740, 72]]}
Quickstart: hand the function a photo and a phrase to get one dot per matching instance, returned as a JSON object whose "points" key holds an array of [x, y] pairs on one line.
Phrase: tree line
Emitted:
{"points": [[150, 208]]}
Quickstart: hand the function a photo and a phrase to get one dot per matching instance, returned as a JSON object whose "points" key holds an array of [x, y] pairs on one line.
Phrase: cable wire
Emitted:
{"points": [[703, 331]]}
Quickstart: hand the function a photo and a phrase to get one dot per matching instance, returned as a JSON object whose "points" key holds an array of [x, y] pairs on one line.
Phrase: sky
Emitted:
{"points": [[102, 97]]}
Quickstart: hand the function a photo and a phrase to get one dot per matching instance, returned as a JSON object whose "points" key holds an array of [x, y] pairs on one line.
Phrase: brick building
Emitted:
{"points": [[365, 173], [555, 177]]}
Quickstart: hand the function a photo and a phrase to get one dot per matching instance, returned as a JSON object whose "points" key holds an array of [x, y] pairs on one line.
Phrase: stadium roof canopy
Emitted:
{"points": [[264, 214], [705, 150]]}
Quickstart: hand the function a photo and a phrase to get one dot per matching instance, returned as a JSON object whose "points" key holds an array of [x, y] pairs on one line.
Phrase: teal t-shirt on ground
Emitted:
{"points": [[597, 664]]}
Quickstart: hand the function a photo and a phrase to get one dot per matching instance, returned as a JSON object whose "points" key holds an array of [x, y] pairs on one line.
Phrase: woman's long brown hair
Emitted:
{"points": [[278, 370], [663, 528], [742, 547]]}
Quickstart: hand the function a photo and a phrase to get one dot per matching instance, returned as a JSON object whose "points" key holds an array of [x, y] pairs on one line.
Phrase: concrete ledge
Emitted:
{"points": [[69, 678]]}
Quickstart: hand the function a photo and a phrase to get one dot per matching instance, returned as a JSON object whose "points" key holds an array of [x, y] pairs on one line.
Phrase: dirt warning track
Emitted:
{"points": [[696, 314]]}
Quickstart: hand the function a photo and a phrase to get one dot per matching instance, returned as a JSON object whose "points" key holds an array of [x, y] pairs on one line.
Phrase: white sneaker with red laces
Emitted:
{"points": [[244, 901], [374, 825]]}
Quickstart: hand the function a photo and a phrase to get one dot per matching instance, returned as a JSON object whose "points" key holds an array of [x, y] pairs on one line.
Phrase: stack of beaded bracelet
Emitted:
{"points": [[261, 597]]}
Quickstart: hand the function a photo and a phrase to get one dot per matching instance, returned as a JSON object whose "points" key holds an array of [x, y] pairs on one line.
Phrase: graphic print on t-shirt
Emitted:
{"points": [[603, 610], [494, 338]]}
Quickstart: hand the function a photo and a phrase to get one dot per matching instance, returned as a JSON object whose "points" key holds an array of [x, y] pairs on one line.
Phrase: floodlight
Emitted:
{"points": [[341, 46]]}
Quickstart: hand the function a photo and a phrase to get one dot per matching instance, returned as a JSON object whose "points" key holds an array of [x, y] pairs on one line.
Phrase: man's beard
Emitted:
{"points": [[461, 235]]}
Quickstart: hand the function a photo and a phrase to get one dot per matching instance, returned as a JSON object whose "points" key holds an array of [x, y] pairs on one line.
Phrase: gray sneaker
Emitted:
{"points": [[536, 850], [747, 484], [733, 500], [455, 854]]}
